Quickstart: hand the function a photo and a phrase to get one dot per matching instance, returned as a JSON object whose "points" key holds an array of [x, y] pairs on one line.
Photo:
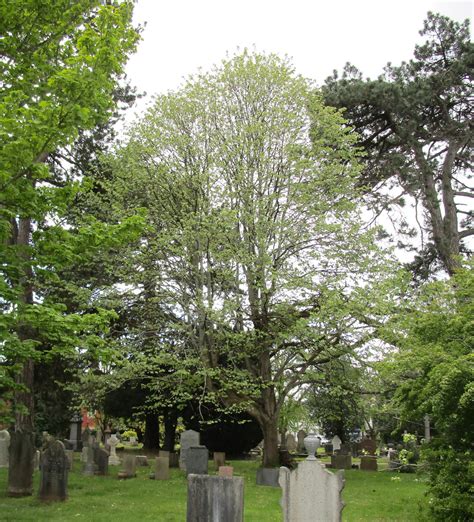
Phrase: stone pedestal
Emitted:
{"points": [[215, 499]]}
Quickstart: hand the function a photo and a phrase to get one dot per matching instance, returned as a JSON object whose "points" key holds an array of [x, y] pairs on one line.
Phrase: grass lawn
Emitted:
{"points": [[369, 496]]}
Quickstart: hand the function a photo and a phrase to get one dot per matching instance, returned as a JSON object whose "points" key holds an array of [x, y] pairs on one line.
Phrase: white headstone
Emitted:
{"points": [[336, 443], [4, 445], [311, 493], [188, 438], [113, 459]]}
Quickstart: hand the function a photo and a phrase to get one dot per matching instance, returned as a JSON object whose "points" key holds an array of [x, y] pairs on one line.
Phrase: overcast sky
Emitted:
{"points": [[319, 35]]}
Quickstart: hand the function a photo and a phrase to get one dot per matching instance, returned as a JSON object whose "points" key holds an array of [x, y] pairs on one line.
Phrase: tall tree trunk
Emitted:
{"points": [[170, 422], [271, 457], [21, 465], [152, 432]]}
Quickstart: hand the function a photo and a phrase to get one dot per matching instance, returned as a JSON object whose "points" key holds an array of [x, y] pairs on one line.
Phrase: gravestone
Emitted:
{"points": [[21, 464], [88, 465], [113, 459], [268, 477], [219, 459], [336, 443], [291, 444], [162, 468], [70, 456], [301, 436], [213, 499], [341, 461], [311, 493], [188, 438], [368, 463], [142, 460], [54, 472], [101, 459], [75, 432], [368, 446], [129, 466], [4, 445], [226, 471], [197, 458]]}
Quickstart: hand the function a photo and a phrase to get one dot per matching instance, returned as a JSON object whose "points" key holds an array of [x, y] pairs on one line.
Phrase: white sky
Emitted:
{"points": [[319, 35]]}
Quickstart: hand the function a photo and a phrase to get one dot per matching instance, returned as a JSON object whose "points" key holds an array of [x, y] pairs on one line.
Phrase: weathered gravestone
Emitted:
{"points": [[21, 464], [69, 456], [301, 436], [291, 442], [54, 473], [162, 468], [268, 477], [214, 499], [368, 463], [88, 464], [311, 493], [101, 460], [336, 443], [4, 445], [341, 461], [113, 459], [129, 467], [188, 438], [219, 459], [197, 459]]}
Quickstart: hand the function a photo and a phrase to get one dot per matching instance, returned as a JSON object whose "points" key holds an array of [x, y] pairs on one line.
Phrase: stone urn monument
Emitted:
{"points": [[311, 443]]}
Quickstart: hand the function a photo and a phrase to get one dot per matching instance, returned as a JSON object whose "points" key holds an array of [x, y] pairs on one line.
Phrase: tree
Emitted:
{"points": [[434, 375], [415, 125], [253, 232], [60, 64]]}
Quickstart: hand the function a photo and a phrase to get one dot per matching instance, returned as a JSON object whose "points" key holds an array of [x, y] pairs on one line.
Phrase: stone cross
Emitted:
{"points": [[4, 445], [311, 493], [54, 472], [188, 438], [212, 498], [113, 459]]}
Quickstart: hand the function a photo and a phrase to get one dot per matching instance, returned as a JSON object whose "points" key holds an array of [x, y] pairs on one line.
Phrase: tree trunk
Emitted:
{"points": [[152, 432], [170, 421], [271, 457]]}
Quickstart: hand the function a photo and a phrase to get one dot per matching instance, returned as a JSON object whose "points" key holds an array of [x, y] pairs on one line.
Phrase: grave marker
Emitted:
{"points": [[188, 438], [54, 472]]}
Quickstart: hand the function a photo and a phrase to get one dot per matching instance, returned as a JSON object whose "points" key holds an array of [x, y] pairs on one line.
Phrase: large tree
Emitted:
{"points": [[254, 238], [59, 67], [415, 125]]}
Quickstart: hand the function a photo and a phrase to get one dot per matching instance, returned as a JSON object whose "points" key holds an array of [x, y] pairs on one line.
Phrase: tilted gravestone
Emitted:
{"points": [[188, 438], [219, 459], [197, 460], [215, 499], [162, 468], [311, 493], [4, 445], [54, 473]]}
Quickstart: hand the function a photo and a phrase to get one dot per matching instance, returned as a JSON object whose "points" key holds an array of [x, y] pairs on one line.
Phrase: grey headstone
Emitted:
{"points": [[69, 454], [214, 499], [75, 432], [130, 465], [336, 443], [4, 445], [341, 461], [301, 436], [88, 464], [268, 477], [197, 460], [188, 438], [162, 468], [311, 493], [21, 464], [291, 444], [101, 459], [54, 473]]}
